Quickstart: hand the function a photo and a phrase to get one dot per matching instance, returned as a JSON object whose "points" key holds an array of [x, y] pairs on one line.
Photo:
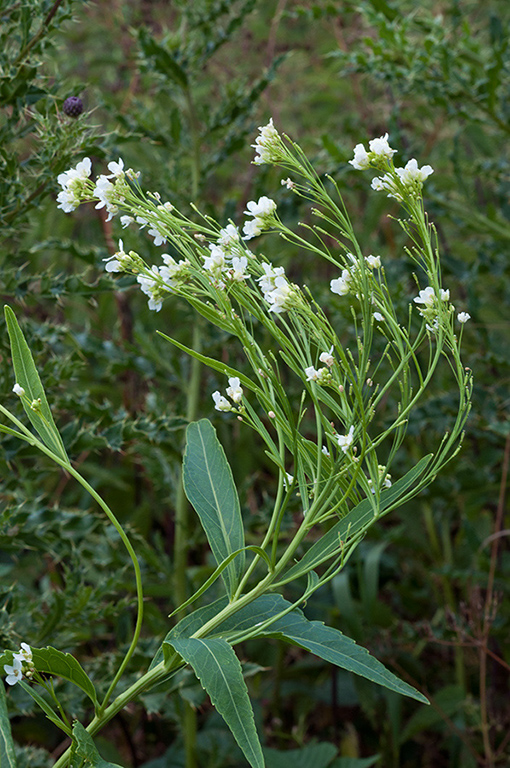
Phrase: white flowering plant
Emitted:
{"points": [[340, 460]]}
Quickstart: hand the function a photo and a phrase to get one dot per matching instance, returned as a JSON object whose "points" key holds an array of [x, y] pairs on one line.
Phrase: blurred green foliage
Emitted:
{"points": [[177, 90]]}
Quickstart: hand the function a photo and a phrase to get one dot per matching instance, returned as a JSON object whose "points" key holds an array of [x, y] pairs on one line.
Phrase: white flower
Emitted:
{"points": [[288, 183], [14, 673], [463, 317], [327, 358], [215, 263], [252, 229], [411, 174], [387, 184], [152, 289], [374, 262], [18, 390], [235, 391], [114, 263], [82, 171], [229, 236], [426, 297], [361, 160], [281, 298], [311, 374], [381, 148], [345, 441], [263, 207], [267, 281], [341, 285], [106, 194], [117, 169], [126, 221], [325, 451], [72, 183], [267, 144], [378, 317], [24, 654], [221, 403], [239, 265], [159, 238], [173, 269]]}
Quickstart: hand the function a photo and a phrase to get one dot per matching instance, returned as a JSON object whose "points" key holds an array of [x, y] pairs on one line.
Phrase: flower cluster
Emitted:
{"points": [[384, 478], [74, 185], [278, 292], [321, 375], [431, 305], [227, 258], [396, 182], [263, 216], [22, 664], [349, 278], [267, 145], [234, 391]]}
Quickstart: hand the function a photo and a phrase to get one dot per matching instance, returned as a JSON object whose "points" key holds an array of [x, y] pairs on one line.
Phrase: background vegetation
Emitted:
{"points": [[177, 89]]}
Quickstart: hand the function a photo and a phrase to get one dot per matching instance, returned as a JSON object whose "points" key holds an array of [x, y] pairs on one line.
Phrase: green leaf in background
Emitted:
{"points": [[85, 749], [310, 756], [27, 377], [210, 488], [449, 701], [55, 662], [219, 671], [353, 522], [7, 756], [355, 762]]}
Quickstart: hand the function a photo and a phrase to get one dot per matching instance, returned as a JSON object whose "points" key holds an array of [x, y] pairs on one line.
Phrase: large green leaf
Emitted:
{"points": [[219, 671], [354, 522], [7, 756], [84, 749], [27, 377], [209, 486], [330, 644], [64, 665]]}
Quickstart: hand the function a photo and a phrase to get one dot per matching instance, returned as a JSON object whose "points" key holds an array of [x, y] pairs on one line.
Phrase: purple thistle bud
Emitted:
{"points": [[73, 106]]}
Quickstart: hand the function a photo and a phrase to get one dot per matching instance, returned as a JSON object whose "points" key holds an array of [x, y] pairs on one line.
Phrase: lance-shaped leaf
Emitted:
{"points": [[219, 671], [84, 749], [210, 488], [330, 644], [354, 522], [7, 756], [27, 377], [55, 662]]}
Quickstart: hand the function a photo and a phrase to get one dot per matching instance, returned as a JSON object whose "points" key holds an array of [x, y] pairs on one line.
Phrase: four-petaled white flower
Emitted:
{"points": [[18, 390], [374, 262], [235, 391], [341, 285], [327, 358], [380, 147], [263, 213], [345, 441], [221, 403], [13, 672], [411, 174], [73, 183], [24, 654], [463, 317], [117, 169], [361, 160]]}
